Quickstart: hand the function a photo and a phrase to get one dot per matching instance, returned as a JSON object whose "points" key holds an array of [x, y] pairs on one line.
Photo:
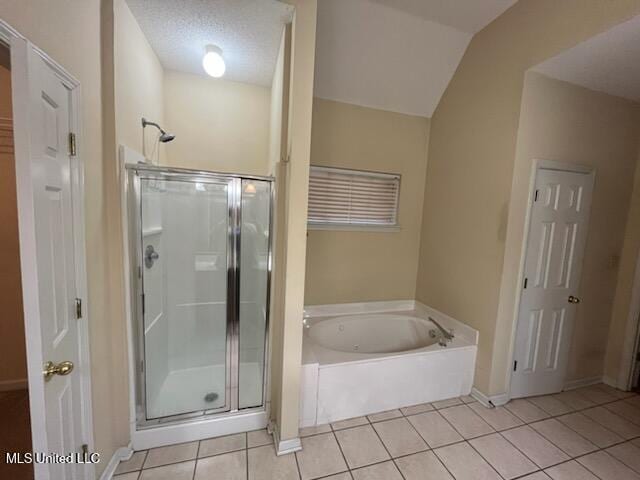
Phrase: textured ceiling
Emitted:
{"points": [[396, 55], [609, 62], [248, 31]]}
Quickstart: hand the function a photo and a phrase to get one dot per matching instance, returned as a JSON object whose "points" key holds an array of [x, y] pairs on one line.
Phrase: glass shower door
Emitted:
{"points": [[255, 232], [185, 249]]}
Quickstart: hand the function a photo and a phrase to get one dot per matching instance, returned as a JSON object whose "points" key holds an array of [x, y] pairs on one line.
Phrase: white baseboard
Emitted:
{"points": [[120, 455], [490, 400], [9, 385], [583, 382], [284, 446]]}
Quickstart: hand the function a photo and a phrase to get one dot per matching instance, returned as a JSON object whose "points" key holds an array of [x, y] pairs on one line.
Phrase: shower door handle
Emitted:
{"points": [[150, 256]]}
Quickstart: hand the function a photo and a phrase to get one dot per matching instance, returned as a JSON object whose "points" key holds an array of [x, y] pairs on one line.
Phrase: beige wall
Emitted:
{"points": [[69, 31], [138, 85], [342, 264], [219, 125], [13, 367], [471, 158], [624, 327], [563, 122]]}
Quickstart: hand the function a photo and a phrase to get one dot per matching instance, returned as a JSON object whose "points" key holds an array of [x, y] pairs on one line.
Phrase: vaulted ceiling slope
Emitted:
{"points": [[609, 62], [396, 55], [248, 31]]}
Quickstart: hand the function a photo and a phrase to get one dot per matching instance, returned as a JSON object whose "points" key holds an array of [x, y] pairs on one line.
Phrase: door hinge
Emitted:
{"points": [[515, 365], [72, 144], [526, 282], [78, 308], [143, 304], [141, 365], [85, 451], [535, 197]]}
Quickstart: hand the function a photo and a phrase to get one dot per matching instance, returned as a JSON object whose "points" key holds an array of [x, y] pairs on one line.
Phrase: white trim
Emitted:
{"points": [[537, 164], [582, 382], [120, 455], [126, 156], [201, 429], [8, 33], [631, 343], [78, 194], [11, 385], [19, 47], [541, 164], [490, 401], [283, 447]]}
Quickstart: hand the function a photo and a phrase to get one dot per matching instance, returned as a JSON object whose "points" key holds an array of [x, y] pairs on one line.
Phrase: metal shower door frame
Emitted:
{"points": [[138, 172]]}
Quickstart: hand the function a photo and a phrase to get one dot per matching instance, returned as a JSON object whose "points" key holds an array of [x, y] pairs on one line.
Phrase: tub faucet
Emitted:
{"points": [[445, 335]]}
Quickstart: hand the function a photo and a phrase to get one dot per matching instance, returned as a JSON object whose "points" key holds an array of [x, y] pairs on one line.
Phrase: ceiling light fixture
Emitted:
{"points": [[212, 62]]}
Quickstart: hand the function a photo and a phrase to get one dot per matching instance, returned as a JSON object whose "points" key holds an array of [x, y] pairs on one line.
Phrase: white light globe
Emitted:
{"points": [[212, 62]]}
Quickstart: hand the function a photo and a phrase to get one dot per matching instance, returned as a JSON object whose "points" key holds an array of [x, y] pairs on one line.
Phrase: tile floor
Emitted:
{"points": [[586, 434]]}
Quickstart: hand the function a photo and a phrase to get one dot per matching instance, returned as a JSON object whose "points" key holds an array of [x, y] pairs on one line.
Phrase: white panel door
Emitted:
{"points": [[553, 262], [49, 271]]}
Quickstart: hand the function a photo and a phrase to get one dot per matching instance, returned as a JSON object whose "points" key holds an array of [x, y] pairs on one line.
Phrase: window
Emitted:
{"points": [[352, 198]]}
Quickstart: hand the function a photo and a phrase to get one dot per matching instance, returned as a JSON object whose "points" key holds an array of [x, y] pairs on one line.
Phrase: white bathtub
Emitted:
{"points": [[364, 358]]}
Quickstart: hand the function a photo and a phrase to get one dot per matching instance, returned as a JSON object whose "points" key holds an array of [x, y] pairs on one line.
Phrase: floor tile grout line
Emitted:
{"points": [[385, 447], [578, 433], [522, 451], [567, 413], [195, 465], [462, 436], [467, 441], [591, 420], [344, 458], [443, 464], [483, 458], [295, 457], [481, 419], [622, 461], [589, 470], [573, 410], [419, 435], [558, 446], [570, 458]]}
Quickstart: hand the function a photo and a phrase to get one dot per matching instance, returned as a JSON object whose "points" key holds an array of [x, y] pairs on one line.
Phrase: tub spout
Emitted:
{"points": [[445, 335]]}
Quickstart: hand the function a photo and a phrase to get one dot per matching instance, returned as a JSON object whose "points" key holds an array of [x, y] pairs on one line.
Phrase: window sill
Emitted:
{"points": [[355, 228]]}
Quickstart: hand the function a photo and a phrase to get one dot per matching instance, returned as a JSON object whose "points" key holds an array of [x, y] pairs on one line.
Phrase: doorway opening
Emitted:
{"points": [[14, 396], [559, 211]]}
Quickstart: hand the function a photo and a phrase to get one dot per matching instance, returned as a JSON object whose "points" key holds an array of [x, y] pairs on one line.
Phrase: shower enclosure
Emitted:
{"points": [[200, 254]]}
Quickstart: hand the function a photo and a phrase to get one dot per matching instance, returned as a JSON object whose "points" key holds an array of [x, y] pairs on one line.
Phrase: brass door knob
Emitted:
{"points": [[51, 369], [573, 299]]}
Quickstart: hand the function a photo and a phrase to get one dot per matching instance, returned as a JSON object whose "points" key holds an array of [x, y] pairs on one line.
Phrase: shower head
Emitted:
{"points": [[164, 136]]}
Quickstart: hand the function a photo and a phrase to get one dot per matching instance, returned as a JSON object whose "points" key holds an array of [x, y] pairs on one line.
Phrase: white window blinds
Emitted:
{"points": [[343, 197]]}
